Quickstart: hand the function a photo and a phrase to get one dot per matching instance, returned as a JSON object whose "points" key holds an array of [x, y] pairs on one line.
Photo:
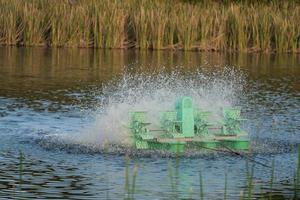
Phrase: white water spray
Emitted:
{"points": [[154, 93]]}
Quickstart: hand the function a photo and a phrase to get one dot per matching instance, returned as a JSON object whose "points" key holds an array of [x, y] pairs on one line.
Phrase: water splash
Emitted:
{"points": [[155, 92]]}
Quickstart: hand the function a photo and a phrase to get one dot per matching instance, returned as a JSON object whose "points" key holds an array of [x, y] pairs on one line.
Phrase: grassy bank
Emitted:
{"points": [[247, 26]]}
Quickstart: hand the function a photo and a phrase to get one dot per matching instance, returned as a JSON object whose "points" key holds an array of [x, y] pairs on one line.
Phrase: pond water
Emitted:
{"points": [[59, 106]]}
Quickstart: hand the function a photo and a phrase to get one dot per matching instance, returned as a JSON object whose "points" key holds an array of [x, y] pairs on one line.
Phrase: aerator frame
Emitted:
{"points": [[189, 127]]}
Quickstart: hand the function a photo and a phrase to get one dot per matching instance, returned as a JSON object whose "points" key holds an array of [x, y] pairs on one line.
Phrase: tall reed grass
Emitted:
{"points": [[204, 25]]}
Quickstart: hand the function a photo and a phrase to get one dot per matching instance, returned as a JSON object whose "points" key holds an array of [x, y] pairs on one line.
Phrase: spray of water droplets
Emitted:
{"points": [[154, 92]]}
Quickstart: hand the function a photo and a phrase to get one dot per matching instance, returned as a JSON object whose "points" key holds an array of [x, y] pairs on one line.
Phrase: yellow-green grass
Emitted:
{"points": [[246, 25]]}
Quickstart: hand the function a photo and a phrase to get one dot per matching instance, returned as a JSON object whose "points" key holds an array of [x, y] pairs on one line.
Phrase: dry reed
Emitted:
{"points": [[269, 26]]}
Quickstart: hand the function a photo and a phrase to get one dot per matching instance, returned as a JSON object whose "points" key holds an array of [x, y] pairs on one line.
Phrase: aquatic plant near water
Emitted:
{"points": [[130, 186], [197, 25], [201, 186]]}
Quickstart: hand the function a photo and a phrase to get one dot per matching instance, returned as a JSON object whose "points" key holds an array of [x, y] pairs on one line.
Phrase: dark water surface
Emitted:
{"points": [[50, 91]]}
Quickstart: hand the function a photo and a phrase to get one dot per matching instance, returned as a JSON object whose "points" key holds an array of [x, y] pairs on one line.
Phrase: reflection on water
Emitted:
{"points": [[49, 91]]}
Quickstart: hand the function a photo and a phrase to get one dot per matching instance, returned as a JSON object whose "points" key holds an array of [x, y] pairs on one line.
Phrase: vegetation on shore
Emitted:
{"points": [[248, 26]]}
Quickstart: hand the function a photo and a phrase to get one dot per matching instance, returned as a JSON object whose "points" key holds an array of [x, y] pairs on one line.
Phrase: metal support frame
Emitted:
{"points": [[189, 127]]}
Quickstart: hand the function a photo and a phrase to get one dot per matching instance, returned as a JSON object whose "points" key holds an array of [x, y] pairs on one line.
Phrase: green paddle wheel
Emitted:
{"points": [[189, 127]]}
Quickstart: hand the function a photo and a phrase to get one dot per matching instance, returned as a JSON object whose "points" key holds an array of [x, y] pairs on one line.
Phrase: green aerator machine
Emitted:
{"points": [[188, 127]]}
